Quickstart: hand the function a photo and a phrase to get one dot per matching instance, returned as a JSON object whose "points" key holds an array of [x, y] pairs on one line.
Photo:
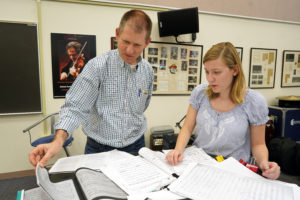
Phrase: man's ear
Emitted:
{"points": [[117, 33], [148, 42]]}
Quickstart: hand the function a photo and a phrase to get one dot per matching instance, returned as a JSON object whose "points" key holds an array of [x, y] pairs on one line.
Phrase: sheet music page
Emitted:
{"points": [[58, 191], [296, 190], [67, 164], [98, 160], [92, 161], [234, 166], [136, 175], [208, 182], [158, 195], [190, 155], [157, 158], [36, 194], [95, 184]]}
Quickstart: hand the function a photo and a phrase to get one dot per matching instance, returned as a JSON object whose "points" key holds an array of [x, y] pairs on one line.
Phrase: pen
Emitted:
{"points": [[140, 90]]}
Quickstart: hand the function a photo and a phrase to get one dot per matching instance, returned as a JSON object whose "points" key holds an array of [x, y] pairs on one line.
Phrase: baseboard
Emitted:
{"points": [[30, 172]]}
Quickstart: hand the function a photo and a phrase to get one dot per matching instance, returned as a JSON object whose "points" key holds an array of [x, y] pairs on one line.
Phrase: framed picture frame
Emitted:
{"points": [[177, 67], [262, 68], [290, 76], [113, 43], [240, 52], [70, 53]]}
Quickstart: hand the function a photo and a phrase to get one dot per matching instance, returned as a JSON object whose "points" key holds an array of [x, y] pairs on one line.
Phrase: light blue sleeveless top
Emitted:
{"points": [[227, 133]]}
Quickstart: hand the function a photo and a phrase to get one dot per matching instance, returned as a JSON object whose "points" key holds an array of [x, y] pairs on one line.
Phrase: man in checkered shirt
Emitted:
{"points": [[109, 96]]}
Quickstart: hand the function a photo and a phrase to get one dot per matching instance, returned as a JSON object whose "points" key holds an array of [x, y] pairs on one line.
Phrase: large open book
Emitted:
{"points": [[91, 185], [150, 171]]}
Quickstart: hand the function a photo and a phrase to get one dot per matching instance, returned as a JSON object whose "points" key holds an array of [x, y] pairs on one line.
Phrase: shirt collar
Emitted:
{"points": [[124, 64]]}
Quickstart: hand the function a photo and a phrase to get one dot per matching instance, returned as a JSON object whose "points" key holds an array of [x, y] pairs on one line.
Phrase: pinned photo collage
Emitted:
{"points": [[177, 67]]}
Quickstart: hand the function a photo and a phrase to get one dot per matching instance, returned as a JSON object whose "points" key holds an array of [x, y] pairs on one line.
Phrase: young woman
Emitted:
{"points": [[229, 119]]}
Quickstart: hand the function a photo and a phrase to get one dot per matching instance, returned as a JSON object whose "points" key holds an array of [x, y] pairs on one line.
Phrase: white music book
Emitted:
{"points": [[141, 174]]}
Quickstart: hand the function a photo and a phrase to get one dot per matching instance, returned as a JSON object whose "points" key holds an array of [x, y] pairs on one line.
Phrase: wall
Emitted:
{"points": [[101, 21], [268, 9]]}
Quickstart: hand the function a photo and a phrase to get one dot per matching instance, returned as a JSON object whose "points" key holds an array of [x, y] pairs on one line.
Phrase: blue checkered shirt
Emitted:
{"points": [[109, 98]]}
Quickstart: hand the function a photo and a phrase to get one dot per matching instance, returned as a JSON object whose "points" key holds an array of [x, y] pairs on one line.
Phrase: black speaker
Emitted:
{"points": [[177, 22]]}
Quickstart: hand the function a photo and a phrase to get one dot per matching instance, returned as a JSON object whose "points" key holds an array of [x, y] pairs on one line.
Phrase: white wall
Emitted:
{"points": [[101, 21]]}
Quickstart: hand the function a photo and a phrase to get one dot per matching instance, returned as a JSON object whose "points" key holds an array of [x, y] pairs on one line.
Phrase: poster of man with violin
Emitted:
{"points": [[70, 53]]}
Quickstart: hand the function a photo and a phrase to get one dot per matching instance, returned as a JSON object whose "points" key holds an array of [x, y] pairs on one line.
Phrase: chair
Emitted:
{"points": [[49, 138]]}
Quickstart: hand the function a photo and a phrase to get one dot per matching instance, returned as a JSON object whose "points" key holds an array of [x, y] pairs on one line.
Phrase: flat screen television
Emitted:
{"points": [[177, 22]]}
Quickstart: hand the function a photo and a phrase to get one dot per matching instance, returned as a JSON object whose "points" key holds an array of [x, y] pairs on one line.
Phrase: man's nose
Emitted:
{"points": [[130, 49]]}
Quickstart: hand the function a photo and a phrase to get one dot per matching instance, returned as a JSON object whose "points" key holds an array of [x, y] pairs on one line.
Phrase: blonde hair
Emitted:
{"points": [[227, 52], [141, 21]]}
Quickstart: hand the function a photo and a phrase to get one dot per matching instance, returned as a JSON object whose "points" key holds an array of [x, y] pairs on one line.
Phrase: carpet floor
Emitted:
{"points": [[10, 187]]}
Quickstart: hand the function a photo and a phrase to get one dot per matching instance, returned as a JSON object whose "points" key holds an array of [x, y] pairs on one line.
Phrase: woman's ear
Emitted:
{"points": [[235, 70]]}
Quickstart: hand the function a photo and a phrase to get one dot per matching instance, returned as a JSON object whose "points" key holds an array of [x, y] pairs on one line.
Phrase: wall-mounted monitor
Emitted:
{"points": [[177, 22]]}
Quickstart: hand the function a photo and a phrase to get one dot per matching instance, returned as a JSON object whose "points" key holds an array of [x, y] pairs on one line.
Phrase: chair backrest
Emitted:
{"points": [[42, 120], [49, 138], [52, 122]]}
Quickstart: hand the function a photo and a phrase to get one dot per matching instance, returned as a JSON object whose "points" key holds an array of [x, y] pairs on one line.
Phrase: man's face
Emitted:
{"points": [[72, 53], [131, 43]]}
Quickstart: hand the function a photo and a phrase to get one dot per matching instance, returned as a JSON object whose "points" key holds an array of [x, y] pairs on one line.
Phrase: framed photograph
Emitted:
{"points": [[177, 67], [70, 53], [113, 43], [290, 76], [240, 52], [262, 68]]}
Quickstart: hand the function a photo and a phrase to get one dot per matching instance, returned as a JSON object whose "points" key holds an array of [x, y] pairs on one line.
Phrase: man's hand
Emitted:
{"points": [[63, 76], [43, 152], [75, 71]]}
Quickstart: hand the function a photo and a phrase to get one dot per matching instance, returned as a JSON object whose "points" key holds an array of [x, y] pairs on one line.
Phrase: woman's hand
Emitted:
{"points": [[270, 170], [174, 157]]}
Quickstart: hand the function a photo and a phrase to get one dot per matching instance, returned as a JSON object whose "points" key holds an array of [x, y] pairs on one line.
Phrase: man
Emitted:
{"points": [[76, 63], [109, 97]]}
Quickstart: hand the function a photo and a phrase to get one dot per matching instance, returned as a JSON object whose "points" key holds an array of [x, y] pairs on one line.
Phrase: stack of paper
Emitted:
{"points": [[207, 182], [119, 175]]}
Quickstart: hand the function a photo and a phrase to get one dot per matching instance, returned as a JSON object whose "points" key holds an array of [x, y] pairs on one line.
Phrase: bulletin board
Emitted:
{"points": [[177, 67]]}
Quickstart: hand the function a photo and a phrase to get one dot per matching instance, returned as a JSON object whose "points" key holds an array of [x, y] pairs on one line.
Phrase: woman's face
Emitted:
{"points": [[219, 75]]}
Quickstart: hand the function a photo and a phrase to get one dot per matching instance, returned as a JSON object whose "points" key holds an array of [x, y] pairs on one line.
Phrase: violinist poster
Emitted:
{"points": [[70, 53]]}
